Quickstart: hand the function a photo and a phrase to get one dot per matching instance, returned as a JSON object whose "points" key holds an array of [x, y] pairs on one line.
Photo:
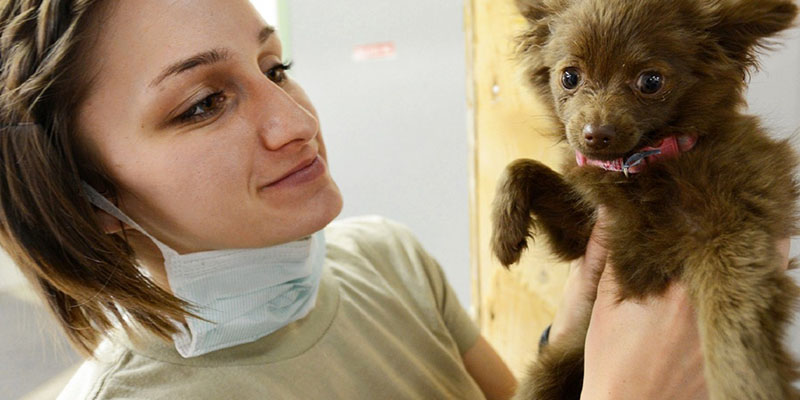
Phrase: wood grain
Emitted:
{"points": [[508, 122]]}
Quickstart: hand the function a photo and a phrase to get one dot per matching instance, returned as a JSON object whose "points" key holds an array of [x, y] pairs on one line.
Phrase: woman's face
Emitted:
{"points": [[210, 144]]}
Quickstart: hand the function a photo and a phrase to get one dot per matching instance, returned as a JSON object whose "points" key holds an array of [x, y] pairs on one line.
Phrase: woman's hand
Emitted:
{"points": [[634, 350], [643, 350], [647, 350], [580, 289]]}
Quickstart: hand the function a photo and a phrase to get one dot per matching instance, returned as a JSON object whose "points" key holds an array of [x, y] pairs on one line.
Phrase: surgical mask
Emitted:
{"points": [[241, 295]]}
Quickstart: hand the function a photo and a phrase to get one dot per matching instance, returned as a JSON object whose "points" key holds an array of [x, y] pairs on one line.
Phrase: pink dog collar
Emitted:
{"points": [[668, 148]]}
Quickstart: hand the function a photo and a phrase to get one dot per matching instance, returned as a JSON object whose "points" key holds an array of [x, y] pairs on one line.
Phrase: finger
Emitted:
{"points": [[596, 252], [784, 247], [607, 288]]}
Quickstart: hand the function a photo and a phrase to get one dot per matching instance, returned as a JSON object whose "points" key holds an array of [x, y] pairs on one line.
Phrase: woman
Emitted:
{"points": [[145, 139]]}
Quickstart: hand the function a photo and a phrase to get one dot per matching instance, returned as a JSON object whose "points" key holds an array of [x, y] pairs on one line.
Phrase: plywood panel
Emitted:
{"points": [[512, 307]]}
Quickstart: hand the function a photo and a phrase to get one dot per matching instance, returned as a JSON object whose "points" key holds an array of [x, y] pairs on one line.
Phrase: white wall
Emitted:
{"points": [[774, 94], [269, 10], [396, 128], [10, 277]]}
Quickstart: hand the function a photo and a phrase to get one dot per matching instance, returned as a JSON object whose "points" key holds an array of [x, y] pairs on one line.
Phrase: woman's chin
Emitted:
{"points": [[315, 214]]}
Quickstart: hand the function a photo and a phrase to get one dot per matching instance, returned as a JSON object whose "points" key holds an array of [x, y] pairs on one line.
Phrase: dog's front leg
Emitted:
{"points": [[744, 301], [532, 197]]}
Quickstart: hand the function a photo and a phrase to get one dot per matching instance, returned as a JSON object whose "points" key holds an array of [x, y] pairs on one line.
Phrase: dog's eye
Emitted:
{"points": [[650, 83], [571, 78]]}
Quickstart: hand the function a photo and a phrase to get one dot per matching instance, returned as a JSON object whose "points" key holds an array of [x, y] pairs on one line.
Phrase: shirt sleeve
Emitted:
{"points": [[414, 274], [462, 328]]}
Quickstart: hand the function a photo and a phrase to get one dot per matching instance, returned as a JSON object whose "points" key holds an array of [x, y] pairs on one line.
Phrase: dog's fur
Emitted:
{"points": [[709, 218]]}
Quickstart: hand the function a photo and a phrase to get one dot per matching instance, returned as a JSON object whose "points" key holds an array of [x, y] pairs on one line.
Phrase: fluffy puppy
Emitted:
{"points": [[650, 94]]}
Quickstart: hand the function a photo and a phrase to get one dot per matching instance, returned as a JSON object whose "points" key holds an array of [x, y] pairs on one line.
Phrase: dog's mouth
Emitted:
{"points": [[610, 155], [604, 156], [648, 139]]}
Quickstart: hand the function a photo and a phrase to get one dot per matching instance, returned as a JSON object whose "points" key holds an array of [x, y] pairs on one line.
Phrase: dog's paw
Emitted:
{"points": [[512, 223], [508, 243]]}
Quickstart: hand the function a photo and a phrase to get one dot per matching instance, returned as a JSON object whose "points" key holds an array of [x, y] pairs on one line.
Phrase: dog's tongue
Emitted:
{"points": [[580, 158]]}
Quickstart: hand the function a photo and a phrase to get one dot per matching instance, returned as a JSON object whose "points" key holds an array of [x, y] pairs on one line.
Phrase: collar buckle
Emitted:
{"points": [[637, 159]]}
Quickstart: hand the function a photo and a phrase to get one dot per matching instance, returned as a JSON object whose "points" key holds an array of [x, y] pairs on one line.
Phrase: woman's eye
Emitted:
{"points": [[206, 108], [277, 73], [650, 83], [571, 78]]}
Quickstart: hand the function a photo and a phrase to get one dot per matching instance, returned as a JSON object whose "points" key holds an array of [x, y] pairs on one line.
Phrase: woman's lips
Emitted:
{"points": [[303, 173]]}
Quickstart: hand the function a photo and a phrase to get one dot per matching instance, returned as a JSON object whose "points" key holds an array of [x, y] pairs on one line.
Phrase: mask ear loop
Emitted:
{"points": [[104, 204]]}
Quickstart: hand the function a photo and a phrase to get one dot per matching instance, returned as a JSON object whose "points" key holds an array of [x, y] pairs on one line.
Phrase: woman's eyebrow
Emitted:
{"points": [[265, 33], [204, 58]]}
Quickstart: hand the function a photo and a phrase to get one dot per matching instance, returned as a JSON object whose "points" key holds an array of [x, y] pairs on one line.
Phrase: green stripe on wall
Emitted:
{"points": [[283, 22]]}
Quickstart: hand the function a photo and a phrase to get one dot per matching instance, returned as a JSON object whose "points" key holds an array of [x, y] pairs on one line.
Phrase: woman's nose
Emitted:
{"points": [[283, 121]]}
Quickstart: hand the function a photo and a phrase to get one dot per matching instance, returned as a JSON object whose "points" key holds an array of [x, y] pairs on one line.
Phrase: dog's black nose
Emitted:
{"points": [[599, 137]]}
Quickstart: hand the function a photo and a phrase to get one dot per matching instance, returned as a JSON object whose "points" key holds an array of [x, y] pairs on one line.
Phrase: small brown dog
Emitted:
{"points": [[650, 95]]}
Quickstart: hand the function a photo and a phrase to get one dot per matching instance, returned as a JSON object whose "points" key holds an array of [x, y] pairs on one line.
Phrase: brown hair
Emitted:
{"points": [[87, 277]]}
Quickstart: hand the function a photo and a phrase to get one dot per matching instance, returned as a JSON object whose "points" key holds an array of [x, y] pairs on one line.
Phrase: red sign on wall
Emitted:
{"points": [[375, 51]]}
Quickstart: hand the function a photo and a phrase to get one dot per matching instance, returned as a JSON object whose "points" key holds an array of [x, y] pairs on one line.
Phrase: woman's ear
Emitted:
{"points": [[742, 26], [109, 223]]}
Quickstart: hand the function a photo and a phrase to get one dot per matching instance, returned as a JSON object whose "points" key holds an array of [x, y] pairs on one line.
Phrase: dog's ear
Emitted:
{"points": [[532, 10], [537, 10], [530, 44], [742, 27]]}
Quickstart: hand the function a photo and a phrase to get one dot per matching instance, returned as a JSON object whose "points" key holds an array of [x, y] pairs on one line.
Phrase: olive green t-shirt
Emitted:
{"points": [[386, 326]]}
